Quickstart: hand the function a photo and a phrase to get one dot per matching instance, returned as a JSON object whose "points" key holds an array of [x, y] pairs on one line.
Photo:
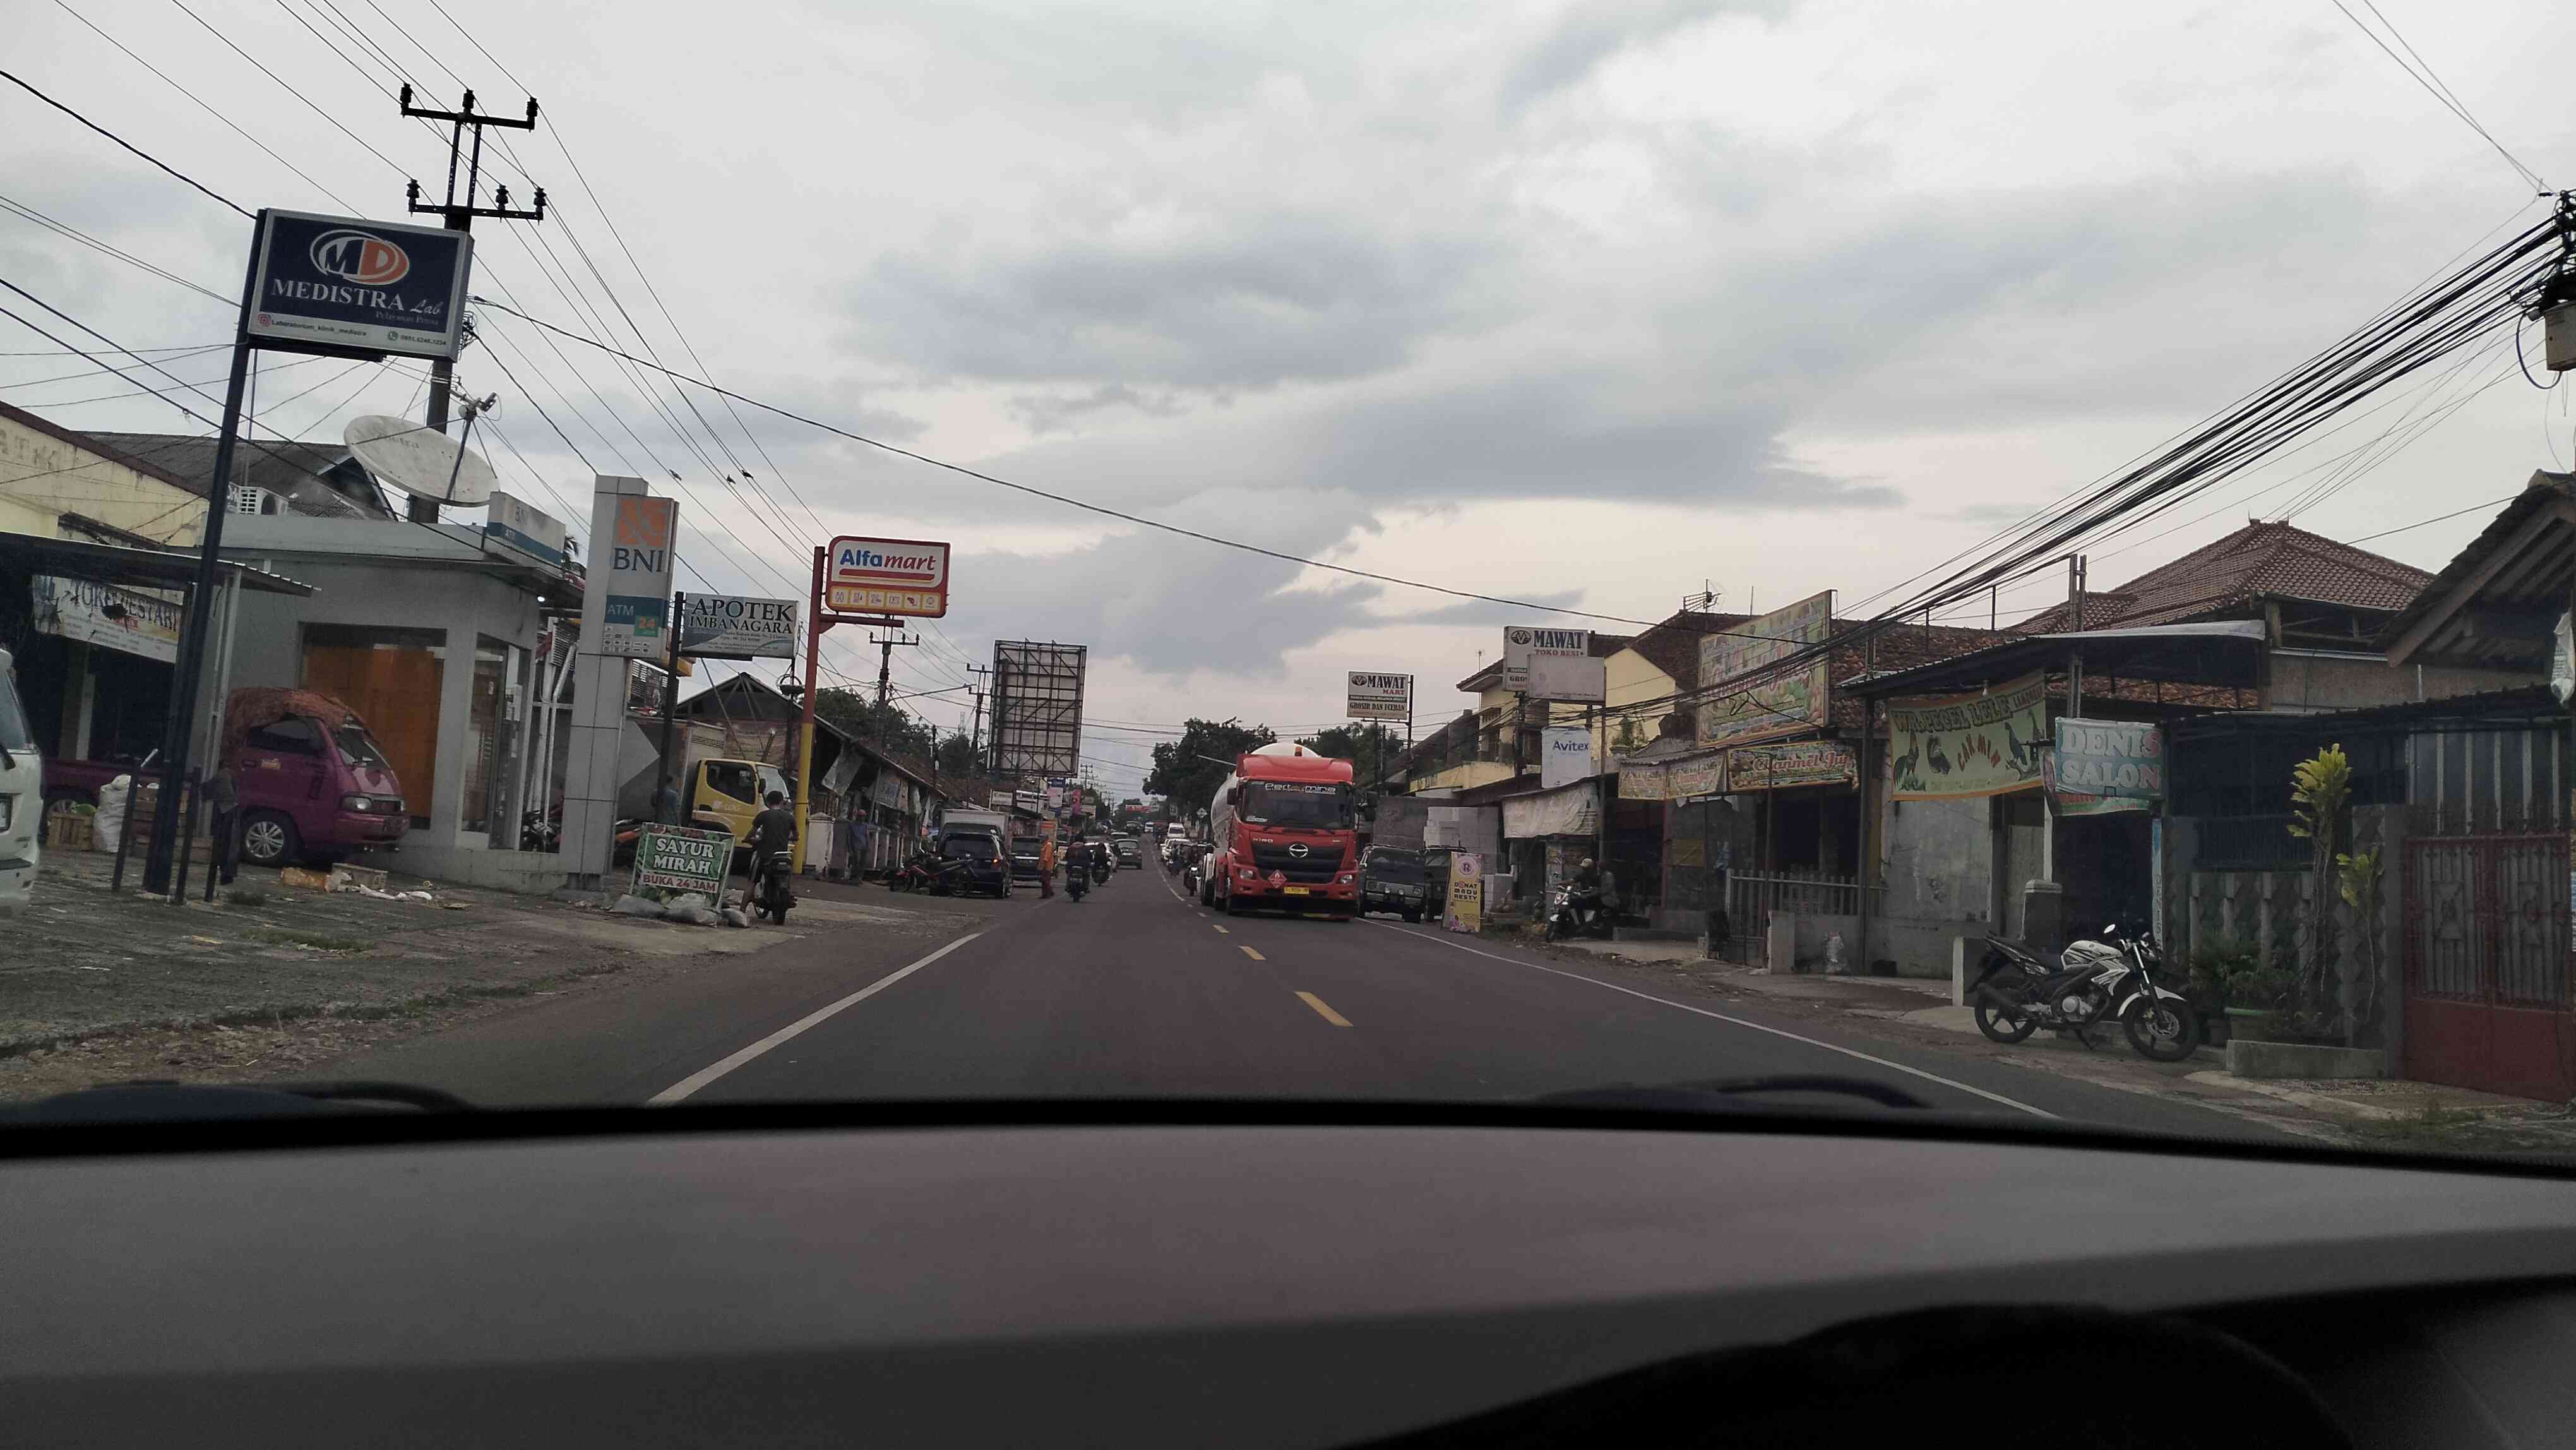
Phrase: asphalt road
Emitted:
{"points": [[1136, 991]]}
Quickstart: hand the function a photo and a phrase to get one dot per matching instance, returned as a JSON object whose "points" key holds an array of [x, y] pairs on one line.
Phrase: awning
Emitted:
{"points": [[1571, 810], [116, 564], [2219, 652]]}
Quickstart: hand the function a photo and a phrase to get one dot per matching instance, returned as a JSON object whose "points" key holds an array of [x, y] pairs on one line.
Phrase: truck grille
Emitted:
{"points": [[1322, 863]]}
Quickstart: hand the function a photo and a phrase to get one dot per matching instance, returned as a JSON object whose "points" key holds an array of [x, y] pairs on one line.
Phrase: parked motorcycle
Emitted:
{"points": [[541, 830], [926, 871], [770, 893], [1573, 914], [2017, 992]]}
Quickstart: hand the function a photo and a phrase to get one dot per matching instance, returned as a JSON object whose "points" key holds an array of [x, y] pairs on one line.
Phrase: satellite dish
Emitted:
{"points": [[420, 460]]}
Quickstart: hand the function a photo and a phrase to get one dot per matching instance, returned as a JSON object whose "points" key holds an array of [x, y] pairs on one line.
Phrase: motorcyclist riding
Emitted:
{"points": [[773, 829], [1584, 891]]}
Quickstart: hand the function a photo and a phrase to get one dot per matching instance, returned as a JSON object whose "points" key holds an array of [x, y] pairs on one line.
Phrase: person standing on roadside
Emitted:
{"points": [[1046, 867]]}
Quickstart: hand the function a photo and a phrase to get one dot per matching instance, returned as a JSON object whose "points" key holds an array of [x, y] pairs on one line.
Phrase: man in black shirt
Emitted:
{"points": [[772, 830]]}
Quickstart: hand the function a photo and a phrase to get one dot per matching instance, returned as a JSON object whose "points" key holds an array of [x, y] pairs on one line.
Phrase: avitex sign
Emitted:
{"points": [[907, 577], [357, 288]]}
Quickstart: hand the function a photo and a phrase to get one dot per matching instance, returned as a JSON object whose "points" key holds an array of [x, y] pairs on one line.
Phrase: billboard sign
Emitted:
{"points": [[2118, 759], [1466, 893], [1521, 644], [637, 580], [1953, 747], [351, 287], [729, 627], [1568, 677], [1037, 707], [905, 577], [1378, 697], [1772, 704], [524, 528], [1565, 755]]}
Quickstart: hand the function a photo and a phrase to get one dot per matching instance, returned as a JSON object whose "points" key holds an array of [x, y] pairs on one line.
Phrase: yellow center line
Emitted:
{"points": [[1256, 956], [1327, 1013]]}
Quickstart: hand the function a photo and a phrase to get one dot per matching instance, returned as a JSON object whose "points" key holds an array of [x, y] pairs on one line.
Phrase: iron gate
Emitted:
{"points": [[2486, 941]]}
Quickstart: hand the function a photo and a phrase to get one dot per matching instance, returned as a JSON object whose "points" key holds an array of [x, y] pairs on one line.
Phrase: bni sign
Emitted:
{"points": [[349, 287], [637, 582], [906, 577]]}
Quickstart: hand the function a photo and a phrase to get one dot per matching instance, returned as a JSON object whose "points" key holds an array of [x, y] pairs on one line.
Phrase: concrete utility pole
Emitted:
{"points": [[458, 217], [980, 672], [885, 662]]}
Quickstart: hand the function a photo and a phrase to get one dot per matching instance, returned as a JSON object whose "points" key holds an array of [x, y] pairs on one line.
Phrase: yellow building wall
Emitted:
{"points": [[42, 478]]}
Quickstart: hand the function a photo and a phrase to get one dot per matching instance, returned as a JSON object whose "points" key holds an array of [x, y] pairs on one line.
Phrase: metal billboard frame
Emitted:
{"points": [[1037, 707]]}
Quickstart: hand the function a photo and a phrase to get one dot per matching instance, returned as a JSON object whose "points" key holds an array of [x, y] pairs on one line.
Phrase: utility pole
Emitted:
{"points": [[2075, 572], [885, 662], [980, 672], [459, 217]]}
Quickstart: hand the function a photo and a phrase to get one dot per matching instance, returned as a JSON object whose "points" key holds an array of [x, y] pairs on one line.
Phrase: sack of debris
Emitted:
{"points": [[111, 812]]}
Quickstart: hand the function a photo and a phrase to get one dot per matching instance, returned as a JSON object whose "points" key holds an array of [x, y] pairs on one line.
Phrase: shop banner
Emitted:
{"points": [[132, 621], [730, 627], [1777, 704], [1466, 893], [1951, 747], [2115, 758], [1572, 811], [1564, 755], [682, 858], [1797, 763], [1521, 644], [1643, 782], [1690, 779], [2080, 803]]}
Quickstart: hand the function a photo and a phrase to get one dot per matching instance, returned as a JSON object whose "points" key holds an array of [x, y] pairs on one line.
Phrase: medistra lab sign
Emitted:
{"points": [[906, 577], [356, 288]]}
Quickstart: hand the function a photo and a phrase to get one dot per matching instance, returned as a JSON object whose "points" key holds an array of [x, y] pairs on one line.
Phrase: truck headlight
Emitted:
{"points": [[1346, 878], [358, 803]]}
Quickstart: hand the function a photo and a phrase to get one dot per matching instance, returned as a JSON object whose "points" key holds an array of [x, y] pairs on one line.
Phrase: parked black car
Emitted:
{"points": [[981, 856], [1024, 858], [1392, 878]]}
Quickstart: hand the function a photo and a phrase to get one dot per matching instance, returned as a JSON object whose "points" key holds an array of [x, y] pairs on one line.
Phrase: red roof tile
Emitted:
{"points": [[2259, 561]]}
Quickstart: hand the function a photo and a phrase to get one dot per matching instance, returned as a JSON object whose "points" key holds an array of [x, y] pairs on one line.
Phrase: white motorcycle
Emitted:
{"points": [[2017, 994]]}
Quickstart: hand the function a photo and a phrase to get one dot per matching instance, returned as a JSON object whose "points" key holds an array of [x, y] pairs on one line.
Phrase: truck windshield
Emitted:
{"points": [[1312, 807]]}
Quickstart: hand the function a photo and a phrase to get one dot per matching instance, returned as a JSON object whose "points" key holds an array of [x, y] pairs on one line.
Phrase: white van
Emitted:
{"points": [[22, 794]]}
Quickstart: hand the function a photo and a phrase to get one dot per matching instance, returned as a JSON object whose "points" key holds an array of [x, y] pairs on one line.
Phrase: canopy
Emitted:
{"points": [[2217, 652]]}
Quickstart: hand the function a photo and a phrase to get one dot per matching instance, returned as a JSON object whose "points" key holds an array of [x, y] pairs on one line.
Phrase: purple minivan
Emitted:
{"points": [[313, 785]]}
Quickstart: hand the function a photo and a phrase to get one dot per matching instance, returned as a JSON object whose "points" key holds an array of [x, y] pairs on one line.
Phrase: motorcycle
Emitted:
{"points": [[926, 871], [1571, 914], [1076, 880], [1100, 871], [770, 894], [541, 830], [2017, 993]]}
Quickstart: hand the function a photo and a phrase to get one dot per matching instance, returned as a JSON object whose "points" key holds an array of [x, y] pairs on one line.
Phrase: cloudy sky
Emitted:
{"points": [[1582, 304]]}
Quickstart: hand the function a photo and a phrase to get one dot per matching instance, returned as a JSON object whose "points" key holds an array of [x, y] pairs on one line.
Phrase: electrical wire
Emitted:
{"points": [[2433, 87], [30, 89]]}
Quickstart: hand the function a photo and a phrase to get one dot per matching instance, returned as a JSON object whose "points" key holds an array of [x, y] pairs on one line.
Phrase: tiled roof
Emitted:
{"points": [[1673, 646], [1898, 647], [2259, 561]]}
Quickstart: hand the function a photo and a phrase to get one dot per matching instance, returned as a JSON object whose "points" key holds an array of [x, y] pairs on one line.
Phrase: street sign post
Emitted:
{"points": [[1378, 697], [1521, 644], [682, 858]]}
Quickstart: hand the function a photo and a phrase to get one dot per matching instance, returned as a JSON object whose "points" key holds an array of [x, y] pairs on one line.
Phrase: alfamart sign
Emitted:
{"points": [[903, 577]]}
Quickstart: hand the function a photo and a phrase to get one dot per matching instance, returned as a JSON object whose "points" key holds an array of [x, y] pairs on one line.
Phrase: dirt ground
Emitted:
{"points": [[271, 980]]}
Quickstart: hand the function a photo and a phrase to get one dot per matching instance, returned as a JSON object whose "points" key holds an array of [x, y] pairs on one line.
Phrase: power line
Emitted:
{"points": [[29, 213], [2433, 87], [121, 141]]}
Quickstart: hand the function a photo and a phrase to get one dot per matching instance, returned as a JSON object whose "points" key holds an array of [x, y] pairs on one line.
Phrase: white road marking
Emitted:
{"points": [[1735, 1021], [696, 1080]]}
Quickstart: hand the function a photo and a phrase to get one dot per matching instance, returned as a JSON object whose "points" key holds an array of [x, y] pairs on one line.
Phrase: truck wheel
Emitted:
{"points": [[269, 839]]}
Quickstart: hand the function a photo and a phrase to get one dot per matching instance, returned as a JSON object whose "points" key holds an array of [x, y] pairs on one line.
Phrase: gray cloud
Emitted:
{"points": [[1585, 36], [1244, 300]]}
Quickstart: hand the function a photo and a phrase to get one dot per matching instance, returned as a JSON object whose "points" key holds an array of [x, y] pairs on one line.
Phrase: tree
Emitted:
{"points": [[2320, 791], [957, 757], [1187, 771], [1372, 749], [885, 727]]}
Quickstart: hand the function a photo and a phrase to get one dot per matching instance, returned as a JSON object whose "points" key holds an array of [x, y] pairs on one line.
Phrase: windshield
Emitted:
{"points": [[1638, 465], [1317, 807], [358, 749]]}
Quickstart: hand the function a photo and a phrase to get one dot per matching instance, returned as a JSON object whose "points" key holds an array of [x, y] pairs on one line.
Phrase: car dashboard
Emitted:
{"points": [[641, 1277]]}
